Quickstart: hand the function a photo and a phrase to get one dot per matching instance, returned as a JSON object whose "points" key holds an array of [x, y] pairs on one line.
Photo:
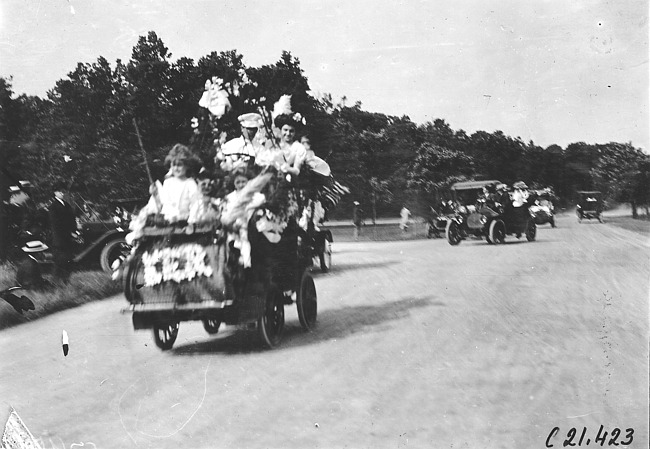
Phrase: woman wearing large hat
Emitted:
{"points": [[290, 154]]}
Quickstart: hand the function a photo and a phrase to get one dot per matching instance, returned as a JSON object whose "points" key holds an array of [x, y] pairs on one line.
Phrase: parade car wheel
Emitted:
{"points": [[307, 302], [452, 233], [326, 257], [270, 325], [211, 326], [113, 250], [133, 279], [165, 335], [497, 232], [531, 231]]}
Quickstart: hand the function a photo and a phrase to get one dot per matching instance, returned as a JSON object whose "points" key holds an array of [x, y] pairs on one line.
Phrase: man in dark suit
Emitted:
{"points": [[64, 228]]}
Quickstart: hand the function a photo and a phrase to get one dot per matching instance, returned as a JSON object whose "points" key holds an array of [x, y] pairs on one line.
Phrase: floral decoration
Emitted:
{"points": [[215, 97], [178, 263]]}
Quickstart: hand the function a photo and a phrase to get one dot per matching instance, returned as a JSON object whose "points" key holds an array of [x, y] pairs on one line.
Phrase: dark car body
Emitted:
{"points": [[477, 217], [590, 205]]}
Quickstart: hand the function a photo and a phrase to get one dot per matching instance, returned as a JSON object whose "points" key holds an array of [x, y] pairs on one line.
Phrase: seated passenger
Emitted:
{"points": [[315, 163], [242, 150], [206, 210], [237, 209], [176, 196]]}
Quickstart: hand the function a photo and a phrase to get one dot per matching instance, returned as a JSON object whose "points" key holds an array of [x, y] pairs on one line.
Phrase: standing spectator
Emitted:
{"points": [[404, 219], [64, 229], [357, 219]]}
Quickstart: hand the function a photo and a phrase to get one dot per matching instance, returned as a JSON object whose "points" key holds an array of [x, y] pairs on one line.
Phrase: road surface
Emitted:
{"points": [[419, 344]]}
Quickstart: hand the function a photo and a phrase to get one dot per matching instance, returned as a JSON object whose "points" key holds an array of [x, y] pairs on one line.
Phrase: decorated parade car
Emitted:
{"points": [[590, 205], [207, 272], [480, 213], [234, 245]]}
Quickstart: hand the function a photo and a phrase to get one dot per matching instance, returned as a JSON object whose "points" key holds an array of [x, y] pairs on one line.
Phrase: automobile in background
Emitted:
{"points": [[590, 205], [475, 217], [543, 210]]}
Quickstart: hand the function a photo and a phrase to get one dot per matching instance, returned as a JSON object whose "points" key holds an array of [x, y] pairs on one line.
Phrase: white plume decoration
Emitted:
{"points": [[282, 106]]}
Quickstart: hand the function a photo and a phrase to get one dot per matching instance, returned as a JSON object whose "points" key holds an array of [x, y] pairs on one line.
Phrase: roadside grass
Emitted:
{"points": [[381, 232], [84, 287], [639, 225]]}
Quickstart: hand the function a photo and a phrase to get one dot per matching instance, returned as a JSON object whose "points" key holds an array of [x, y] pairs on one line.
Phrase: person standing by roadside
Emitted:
{"points": [[64, 228], [357, 219], [404, 214]]}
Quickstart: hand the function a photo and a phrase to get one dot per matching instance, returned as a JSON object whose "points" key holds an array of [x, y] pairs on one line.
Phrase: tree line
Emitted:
{"points": [[83, 134]]}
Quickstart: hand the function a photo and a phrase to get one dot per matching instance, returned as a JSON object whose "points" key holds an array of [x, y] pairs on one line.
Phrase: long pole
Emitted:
{"points": [[156, 197]]}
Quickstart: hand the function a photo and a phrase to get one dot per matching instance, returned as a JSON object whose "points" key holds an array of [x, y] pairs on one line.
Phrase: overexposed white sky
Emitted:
{"points": [[551, 71]]}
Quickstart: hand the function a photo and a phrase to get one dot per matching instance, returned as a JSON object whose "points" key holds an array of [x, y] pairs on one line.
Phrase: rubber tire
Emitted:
{"points": [[211, 326], [326, 257], [165, 335], [452, 233], [130, 279], [307, 302], [270, 326], [497, 233], [112, 248], [531, 231]]}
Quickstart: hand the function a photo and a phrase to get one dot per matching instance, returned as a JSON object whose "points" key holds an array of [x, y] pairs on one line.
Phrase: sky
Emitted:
{"points": [[550, 71]]}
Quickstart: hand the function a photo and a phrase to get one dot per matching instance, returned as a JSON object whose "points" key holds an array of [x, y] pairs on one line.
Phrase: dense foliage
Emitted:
{"points": [[83, 134]]}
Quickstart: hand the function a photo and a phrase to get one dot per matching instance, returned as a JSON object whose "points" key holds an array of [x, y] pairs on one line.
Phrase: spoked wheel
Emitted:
{"points": [[211, 326], [270, 326], [112, 251], [326, 257], [452, 232], [165, 335], [531, 231], [497, 232], [307, 302]]}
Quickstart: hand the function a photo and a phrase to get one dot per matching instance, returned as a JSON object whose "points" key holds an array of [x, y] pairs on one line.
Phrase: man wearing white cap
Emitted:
{"points": [[241, 150]]}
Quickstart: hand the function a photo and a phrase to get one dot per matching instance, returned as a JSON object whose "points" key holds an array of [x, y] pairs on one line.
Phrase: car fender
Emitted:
{"points": [[99, 243]]}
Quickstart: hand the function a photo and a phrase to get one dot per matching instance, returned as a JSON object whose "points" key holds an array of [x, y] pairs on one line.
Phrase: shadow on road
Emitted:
{"points": [[332, 324], [336, 267]]}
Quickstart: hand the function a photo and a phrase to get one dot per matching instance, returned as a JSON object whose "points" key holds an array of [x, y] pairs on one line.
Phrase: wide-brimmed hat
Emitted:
{"points": [[520, 185], [250, 120], [35, 246]]}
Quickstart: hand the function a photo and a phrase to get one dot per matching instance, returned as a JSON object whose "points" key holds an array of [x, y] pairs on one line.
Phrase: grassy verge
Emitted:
{"points": [[640, 225], [380, 232], [84, 287]]}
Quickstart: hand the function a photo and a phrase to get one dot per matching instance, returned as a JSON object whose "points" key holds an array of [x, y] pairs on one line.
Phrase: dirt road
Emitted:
{"points": [[419, 344]]}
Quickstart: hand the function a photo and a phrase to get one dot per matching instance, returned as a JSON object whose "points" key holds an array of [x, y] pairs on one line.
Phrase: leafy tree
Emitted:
{"points": [[497, 156], [621, 173], [434, 170]]}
